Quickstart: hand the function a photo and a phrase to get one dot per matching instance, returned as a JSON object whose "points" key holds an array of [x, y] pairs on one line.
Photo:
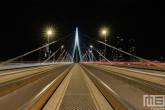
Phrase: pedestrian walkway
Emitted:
{"points": [[78, 93]]}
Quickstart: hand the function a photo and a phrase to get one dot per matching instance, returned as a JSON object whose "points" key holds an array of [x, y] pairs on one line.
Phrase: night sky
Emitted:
{"points": [[21, 24]]}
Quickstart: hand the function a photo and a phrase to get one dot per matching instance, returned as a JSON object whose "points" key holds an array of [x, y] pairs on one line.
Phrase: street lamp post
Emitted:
{"points": [[54, 58], [104, 32], [49, 33], [91, 52], [61, 48]]}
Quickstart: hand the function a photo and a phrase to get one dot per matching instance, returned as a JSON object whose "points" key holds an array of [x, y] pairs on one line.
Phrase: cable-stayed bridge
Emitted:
{"points": [[77, 79]]}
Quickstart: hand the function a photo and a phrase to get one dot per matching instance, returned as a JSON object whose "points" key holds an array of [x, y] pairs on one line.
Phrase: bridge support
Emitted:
{"points": [[76, 46]]}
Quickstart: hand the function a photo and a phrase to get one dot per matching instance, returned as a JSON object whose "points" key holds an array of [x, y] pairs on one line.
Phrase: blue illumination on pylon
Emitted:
{"points": [[76, 44]]}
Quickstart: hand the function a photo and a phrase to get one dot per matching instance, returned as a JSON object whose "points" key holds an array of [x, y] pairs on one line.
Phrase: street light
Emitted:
{"points": [[91, 46], [91, 52], [61, 48], [104, 33], [49, 32], [61, 51]]}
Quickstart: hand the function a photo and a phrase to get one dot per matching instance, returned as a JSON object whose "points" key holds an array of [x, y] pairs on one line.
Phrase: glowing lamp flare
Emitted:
{"points": [[104, 32], [49, 32]]}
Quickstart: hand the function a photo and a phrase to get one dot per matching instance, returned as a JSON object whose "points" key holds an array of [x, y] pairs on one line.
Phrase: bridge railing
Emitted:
{"points": [[125, 63], [33, 62]]}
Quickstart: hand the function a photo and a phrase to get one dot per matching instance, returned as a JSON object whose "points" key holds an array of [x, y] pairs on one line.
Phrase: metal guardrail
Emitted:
{"points": [[117, 102], [31, 62], [39, 99]]}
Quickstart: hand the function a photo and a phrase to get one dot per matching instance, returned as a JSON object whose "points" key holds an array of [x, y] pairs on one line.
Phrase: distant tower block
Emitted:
{"points": [[43, 53], [132, 47], [119, 55]]}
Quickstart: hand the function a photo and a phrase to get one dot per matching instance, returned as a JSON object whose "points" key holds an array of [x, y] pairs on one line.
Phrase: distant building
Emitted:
{"points": [[117, 55], [102, 54], [43, 53], [132, 47]]}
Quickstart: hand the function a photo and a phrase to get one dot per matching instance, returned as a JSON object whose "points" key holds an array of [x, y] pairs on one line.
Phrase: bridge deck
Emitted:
{"points": [[77, 92]]}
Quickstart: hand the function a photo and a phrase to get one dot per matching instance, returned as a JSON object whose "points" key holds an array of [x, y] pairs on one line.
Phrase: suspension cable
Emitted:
{"points": [[98, 52], [10, 60], [148, 61]]}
